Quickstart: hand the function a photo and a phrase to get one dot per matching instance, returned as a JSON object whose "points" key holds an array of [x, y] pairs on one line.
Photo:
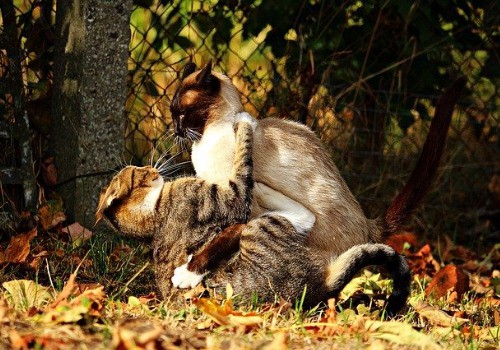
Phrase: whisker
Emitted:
{"points": [[173, 168], [166, 163]]}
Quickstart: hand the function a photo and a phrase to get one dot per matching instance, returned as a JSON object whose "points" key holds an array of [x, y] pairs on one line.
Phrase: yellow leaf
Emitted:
{"points": [[229, 291], [223, 314], [62, 314], [437, 317], [400, 333], [24, 294]]}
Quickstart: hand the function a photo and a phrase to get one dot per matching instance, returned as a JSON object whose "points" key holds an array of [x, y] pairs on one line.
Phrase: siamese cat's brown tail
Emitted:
{"points": [[407, 201]]}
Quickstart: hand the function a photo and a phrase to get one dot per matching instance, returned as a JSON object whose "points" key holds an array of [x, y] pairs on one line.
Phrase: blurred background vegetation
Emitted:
{"points": [[363, 74]]}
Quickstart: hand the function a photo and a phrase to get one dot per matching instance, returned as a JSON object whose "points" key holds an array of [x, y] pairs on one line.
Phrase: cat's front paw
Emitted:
{"points": [[246, 118], [183, 278]]}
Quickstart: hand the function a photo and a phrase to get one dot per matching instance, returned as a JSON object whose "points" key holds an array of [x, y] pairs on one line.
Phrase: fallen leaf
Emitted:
{"points": [[437, 317], [422, 263], [50, 217], [25, 294], [195, 292], [224, 315], [82, 287], [145, 299], [449, 278], [136, 333], [476, 266], [368, 283], [36, 259], [77, 232], [452, 252], [399, 241], [488, 302], [88, 303], [19, 247], [400, 333], [327, 325], [66, 292], [490, 333]]}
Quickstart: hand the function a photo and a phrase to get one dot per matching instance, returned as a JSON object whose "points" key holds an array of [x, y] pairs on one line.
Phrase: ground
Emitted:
{"points": [[66, 288]]}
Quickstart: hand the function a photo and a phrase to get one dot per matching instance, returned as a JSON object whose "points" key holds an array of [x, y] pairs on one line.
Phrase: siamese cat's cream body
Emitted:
{"points": [[290, 159]]}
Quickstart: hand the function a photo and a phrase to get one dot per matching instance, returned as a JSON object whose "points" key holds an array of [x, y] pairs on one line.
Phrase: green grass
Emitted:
{"points": [[122, 319]]}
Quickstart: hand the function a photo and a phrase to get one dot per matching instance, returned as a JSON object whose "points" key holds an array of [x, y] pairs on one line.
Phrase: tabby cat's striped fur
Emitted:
{"points": [[182, 215]]}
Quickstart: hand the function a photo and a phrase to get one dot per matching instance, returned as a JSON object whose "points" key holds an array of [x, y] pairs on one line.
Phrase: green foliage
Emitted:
{"points": [[395, 45]]}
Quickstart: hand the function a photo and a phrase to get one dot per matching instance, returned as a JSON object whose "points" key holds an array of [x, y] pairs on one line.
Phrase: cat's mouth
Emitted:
{"points": [[158, 181]]}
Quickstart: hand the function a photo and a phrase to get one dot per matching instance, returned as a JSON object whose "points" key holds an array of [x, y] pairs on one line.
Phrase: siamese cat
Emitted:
{"points": [[271, 258], [290, 159]]}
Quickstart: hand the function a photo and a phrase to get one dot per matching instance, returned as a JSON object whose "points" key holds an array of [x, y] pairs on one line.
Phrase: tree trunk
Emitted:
{"points": [[90, 89]]}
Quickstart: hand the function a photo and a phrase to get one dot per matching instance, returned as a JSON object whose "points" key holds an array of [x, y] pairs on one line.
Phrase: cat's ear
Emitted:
{"points": [[190, 68], [106, 196], [205, 73]]}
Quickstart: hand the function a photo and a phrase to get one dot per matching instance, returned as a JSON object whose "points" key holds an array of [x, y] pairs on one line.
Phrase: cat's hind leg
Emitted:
{"points": [[221, 248], [301, 218]]}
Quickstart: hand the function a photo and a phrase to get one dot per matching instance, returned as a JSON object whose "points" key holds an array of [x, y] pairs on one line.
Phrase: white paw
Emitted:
{"points": [[247, 118], [183, 278]]}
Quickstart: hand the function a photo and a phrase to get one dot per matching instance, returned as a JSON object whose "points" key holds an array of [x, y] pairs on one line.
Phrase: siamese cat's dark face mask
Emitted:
{"points": [[194, 101]]}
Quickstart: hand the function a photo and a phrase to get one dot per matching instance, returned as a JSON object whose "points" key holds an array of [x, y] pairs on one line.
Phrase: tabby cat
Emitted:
{"points": [[182, 215], [290, 159]]}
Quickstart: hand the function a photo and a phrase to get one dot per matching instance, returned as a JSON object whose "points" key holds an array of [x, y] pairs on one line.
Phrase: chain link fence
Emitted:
{"points": [[374, 144]]}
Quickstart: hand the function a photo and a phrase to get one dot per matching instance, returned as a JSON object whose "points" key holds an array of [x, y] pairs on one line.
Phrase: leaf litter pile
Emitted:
{"points": [[62, 287]]}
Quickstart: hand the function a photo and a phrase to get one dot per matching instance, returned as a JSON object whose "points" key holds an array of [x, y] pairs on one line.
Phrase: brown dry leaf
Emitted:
{"points": [[195, 292], [138, 333], [224, 315], [476, 266], [145, 299], [96, 296], [50, 217], [82, 287], [488, 301], [66, 292], [19, 247], [481, 285], [437, 317], [37, 258], [398, 241], [77, 232], [449, 278], [452, 252], [87, 303], [422, 263], [327, 325]]}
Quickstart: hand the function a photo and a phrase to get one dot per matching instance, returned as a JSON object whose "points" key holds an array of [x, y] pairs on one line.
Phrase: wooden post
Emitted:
{"points": [[90, 90]]}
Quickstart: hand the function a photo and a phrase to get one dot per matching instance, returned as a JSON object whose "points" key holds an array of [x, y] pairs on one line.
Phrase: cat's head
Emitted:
{"points": [[130, 196], [204, 97]]}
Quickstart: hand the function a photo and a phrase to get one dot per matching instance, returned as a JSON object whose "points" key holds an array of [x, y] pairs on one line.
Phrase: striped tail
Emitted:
{"points": [[344, 268]]}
